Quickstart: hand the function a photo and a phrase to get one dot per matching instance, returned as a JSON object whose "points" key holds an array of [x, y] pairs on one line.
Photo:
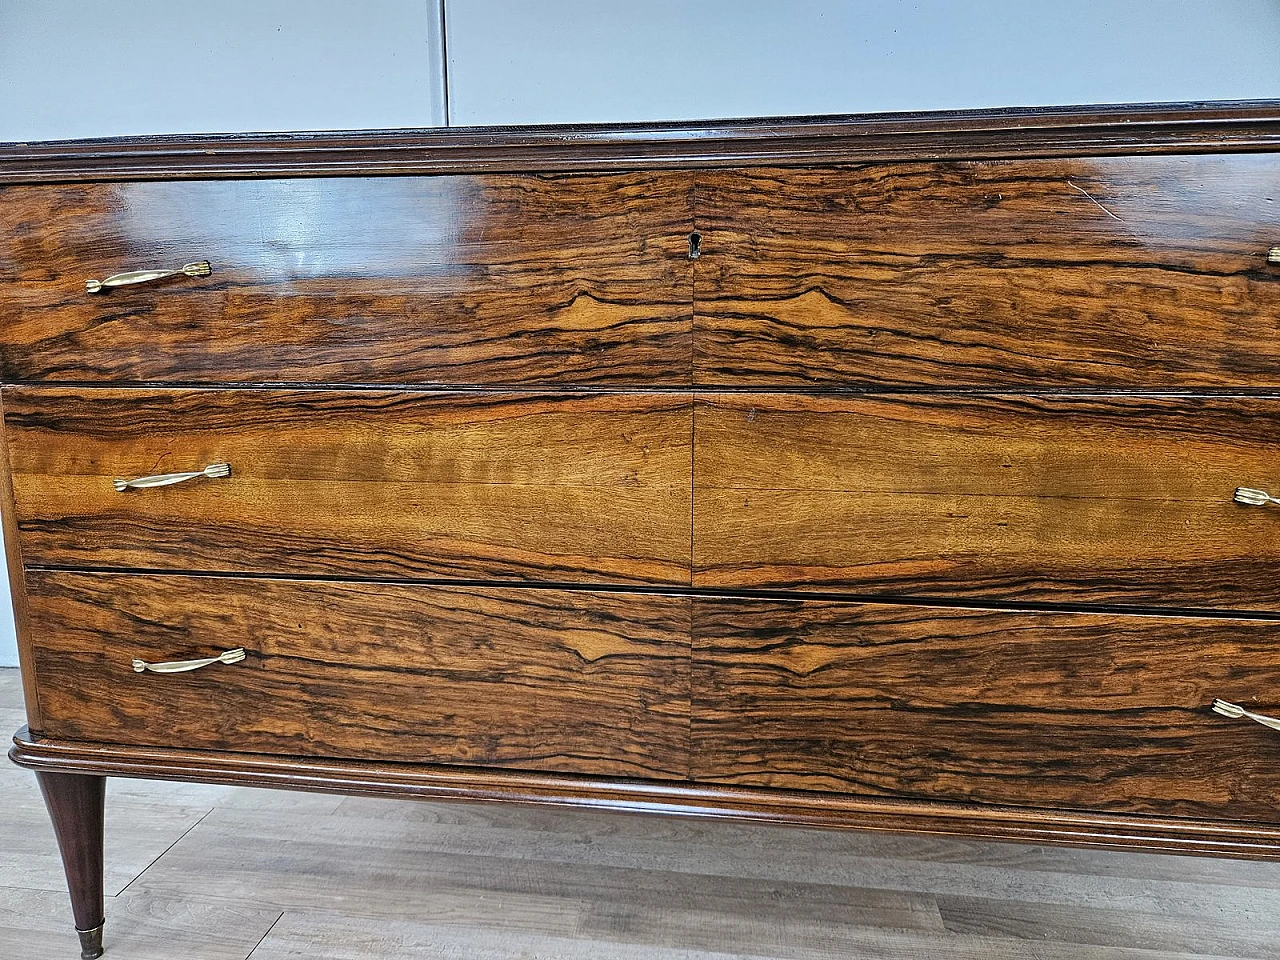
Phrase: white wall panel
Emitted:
{"points": [[93, 68], [567, 61]]}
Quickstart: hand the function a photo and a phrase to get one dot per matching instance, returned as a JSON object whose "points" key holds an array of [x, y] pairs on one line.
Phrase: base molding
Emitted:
{"points": [[842, 811]]}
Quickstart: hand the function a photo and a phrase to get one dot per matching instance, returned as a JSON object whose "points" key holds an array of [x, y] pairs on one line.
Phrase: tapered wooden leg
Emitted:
{"points": [[75, 803]]}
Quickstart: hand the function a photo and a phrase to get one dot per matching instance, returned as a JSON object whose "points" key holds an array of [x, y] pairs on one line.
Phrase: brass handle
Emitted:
{"points": [[198, 269], [183, 666], [1273, 255], [212, 471], [1254, 498], [1237, 712]]}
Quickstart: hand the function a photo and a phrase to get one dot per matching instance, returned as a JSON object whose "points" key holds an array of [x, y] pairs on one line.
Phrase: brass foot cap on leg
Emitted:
{"points": [[91, 943]]}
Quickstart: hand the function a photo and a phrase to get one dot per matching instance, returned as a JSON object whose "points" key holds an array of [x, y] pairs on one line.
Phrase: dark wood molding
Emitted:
{"points": [[76, 807], [1187, 836], [1221, 126]]}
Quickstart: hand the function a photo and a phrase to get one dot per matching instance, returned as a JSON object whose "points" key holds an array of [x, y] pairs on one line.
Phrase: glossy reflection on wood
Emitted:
{"points": [[434, 280], [1047, 498], [76, 804], [1074, 131], [468, 485], [1114, 271], [1086, 711], [529, 679], [1009, 382]]}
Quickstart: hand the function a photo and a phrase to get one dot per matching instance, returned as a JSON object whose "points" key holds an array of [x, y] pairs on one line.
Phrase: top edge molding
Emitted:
{"points": [[1022, 132]]}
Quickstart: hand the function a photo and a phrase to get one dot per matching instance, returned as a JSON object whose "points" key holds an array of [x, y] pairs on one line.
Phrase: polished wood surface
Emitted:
{"points": [[428, 280], [1216, 837], [959, 358], [76, 805], [549, 487], [1074, 711], [1086, 130], [1051, 498], [528, 679], [199, 870], [17, 582], [1128, 271], [1112, 272]]}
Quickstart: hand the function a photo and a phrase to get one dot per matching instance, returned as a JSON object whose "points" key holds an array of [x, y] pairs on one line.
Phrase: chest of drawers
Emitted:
{"points": [[875, 473]]}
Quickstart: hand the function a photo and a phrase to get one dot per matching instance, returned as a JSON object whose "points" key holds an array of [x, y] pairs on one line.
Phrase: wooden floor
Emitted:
{"points": [[219, 873]]}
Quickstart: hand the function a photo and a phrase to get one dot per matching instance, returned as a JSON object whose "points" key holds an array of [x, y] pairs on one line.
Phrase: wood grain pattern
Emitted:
{"points": [[1098, 499], [1087, 130], [528, 679], [1073, 711], [926, 269], [438, 280], [448, 485], [17, 580], [411, 859], [1127, 271]]}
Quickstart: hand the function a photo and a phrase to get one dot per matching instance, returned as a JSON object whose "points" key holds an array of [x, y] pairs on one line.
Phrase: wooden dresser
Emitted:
{"points": [[896, 473]]}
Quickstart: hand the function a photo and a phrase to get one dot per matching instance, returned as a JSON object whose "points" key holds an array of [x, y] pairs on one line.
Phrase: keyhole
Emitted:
{"points": [[695, 245]]}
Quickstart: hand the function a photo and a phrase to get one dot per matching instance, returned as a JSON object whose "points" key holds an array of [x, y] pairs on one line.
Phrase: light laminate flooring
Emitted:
{"points": [[228, 873]]}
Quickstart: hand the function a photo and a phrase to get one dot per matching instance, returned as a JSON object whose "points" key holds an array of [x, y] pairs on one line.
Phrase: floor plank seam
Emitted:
{"points": [[156, 859], [264, 936]]}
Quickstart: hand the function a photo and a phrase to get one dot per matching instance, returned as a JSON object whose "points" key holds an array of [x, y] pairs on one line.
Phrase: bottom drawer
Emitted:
{"points": [[1087, 711], [532, 679]]}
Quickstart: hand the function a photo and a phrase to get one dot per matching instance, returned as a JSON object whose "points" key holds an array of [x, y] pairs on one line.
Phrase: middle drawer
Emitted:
{"points": [[553, 488], [1051, 498]]}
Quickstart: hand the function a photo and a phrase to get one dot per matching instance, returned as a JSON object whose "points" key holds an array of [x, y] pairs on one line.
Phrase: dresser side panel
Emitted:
{"points": [[17, 580]]}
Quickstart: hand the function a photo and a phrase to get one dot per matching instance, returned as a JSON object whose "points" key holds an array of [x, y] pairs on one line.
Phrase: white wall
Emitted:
{"points": [[563, 61], [99, 68], [89, 68]]}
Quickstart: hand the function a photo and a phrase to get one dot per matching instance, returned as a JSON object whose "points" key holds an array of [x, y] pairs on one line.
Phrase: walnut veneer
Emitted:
{"points": [[875, 472]]}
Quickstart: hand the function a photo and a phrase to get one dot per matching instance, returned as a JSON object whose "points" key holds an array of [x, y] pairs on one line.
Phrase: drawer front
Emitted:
{"points": [[1086, 711], [556, 488], [421, 280], [525, 678], [1030, 498], [1119, 271]]}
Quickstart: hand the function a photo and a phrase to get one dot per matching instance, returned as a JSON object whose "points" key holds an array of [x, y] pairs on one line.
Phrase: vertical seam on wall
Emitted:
{"points": [[444, 59]]}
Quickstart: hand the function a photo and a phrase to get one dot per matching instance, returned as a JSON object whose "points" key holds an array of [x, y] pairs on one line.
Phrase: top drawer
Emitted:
{"points": [[1121, 271], [422, 280]]}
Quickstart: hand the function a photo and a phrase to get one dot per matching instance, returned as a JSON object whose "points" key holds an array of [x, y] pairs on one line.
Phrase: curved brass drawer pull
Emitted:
{"points": [[183, 666], [166, 479], [198, 269], [1237, 712], [1254, 498]]}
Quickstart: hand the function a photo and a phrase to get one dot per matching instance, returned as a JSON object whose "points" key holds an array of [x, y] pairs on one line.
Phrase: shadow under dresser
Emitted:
{"points": [[902, 473]]}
